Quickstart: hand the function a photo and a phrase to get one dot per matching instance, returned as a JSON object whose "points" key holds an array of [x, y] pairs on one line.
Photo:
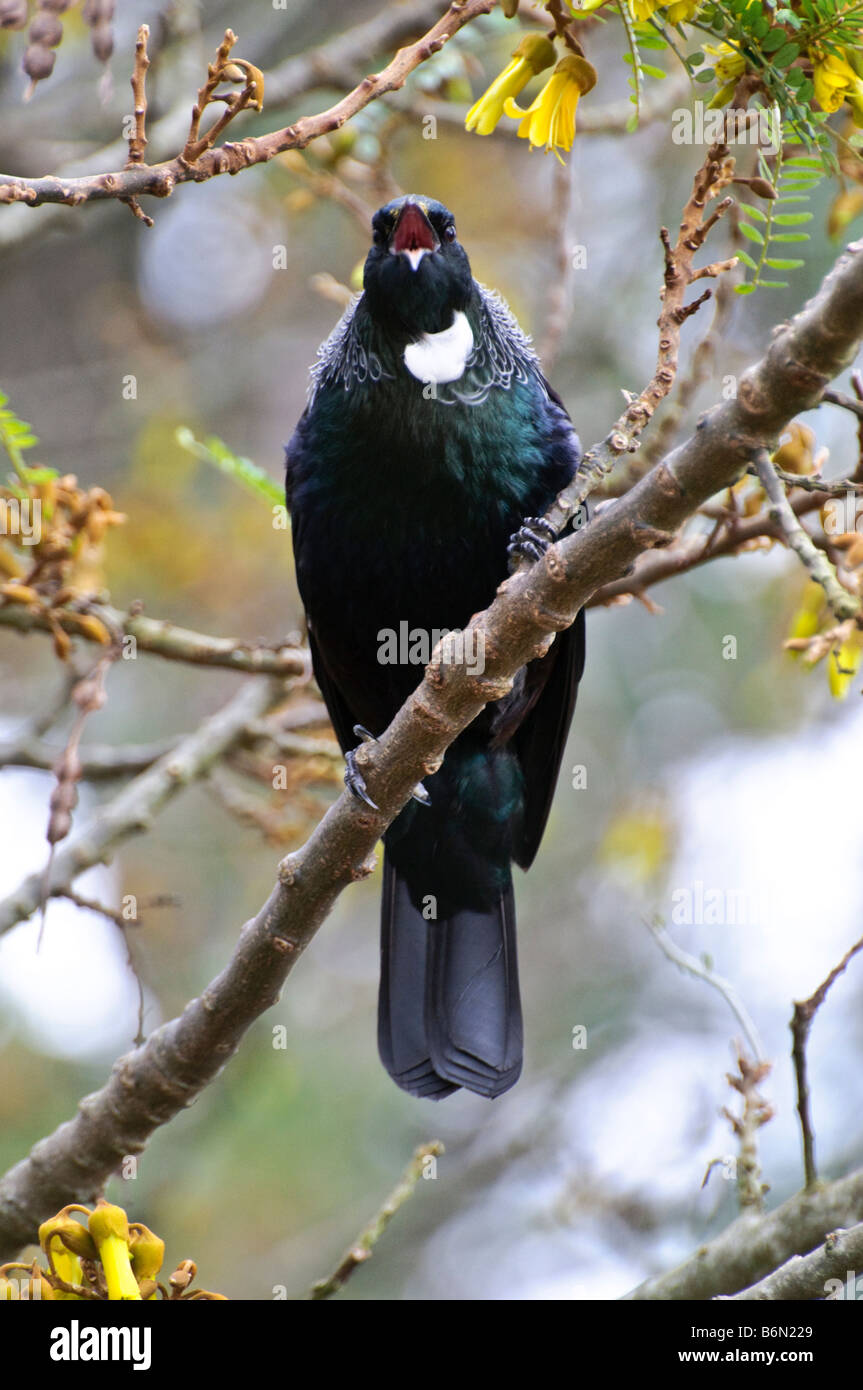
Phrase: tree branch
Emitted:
{"points": [[160, 180], [843, 604], [801, 1024], [361, 1249], [133, 808], [167, 640], [805, 1277], [753, 1246]]}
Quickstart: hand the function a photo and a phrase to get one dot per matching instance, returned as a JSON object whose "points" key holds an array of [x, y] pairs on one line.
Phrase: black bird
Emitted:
{"points": [[430, 434]]}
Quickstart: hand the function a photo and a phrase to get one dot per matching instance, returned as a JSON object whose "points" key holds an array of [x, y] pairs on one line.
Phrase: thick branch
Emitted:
{"points": [[753, 1246], [150, 1085], [805, 1277]]}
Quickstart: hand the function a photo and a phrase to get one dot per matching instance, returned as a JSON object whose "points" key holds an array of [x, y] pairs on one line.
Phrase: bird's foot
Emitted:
{"points": [[531, 540], [354, 779], [356, 782]]}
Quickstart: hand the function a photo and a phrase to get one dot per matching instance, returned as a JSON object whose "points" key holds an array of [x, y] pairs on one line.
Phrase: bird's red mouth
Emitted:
{"points": [[413, 235]]}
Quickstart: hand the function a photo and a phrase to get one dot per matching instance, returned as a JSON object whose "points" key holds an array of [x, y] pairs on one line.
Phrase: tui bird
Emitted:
{"points": [[428, 451]]}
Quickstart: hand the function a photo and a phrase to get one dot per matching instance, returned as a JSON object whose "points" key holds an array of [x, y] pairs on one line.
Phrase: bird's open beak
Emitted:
{"points": [[413, 235]]}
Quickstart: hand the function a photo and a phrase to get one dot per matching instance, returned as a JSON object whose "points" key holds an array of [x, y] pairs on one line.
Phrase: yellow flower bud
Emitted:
{"points": [[147, 1251], [109, 1227]]}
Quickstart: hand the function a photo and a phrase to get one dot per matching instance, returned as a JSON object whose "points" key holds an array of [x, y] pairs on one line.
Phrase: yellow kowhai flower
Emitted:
{"points": [[807, 619], [550, 120], [677, 13], [843, 664], [836, 81], [729, 63], [534, 53], [109, 1227]]}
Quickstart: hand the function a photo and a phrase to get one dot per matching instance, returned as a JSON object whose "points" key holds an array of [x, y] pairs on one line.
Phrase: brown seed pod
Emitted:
{"points": [[13, 14], [98, 12], [46, 29], [102, 40], [38, 62]]}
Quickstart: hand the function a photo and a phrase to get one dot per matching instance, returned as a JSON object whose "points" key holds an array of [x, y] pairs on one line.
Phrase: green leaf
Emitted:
{"points": [[790, 236], [783, 264], [775, 39], [242, 470], [792, 219], [752, 211], [751, 233], [744, 289], [745, 257], [41, 475], [659, 73], [786, 55]]}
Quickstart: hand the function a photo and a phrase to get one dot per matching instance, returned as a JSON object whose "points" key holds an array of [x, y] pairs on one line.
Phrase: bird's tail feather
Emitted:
{"points": [[449, 1013]]}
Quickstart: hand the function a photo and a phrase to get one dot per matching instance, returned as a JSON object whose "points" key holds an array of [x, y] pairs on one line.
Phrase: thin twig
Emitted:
{"points": [[138, 137], [843, 604], [700, 971], [756, 1112], [680, 274], [167, 640], [801, 1023], [846, 402], [131, 811], [361, 1249]]}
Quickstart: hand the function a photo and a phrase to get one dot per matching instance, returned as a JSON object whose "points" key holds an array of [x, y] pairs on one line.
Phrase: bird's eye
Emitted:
{"points": [[449, 232]]}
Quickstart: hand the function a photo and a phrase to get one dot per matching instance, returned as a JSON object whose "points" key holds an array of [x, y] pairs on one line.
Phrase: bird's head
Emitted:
{"points": [[416, 274]]}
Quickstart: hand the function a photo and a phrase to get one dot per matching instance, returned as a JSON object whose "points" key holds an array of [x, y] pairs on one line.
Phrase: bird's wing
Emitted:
{"points": [[544, 708], [551, 685], [342, 719]]}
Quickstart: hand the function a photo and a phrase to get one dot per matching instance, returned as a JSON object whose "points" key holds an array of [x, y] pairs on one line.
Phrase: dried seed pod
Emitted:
{"points": [[102, 41], [46, 29], [98, 14], [13, 14], [38, 62]]}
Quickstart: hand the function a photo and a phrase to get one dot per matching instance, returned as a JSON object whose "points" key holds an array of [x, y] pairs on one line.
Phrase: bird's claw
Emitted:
{"points": [[531, 540], [356, 782], [354, 779]]}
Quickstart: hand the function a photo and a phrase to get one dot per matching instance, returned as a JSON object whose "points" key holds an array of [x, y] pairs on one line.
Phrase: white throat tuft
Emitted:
{"points": [[441, 357]]}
